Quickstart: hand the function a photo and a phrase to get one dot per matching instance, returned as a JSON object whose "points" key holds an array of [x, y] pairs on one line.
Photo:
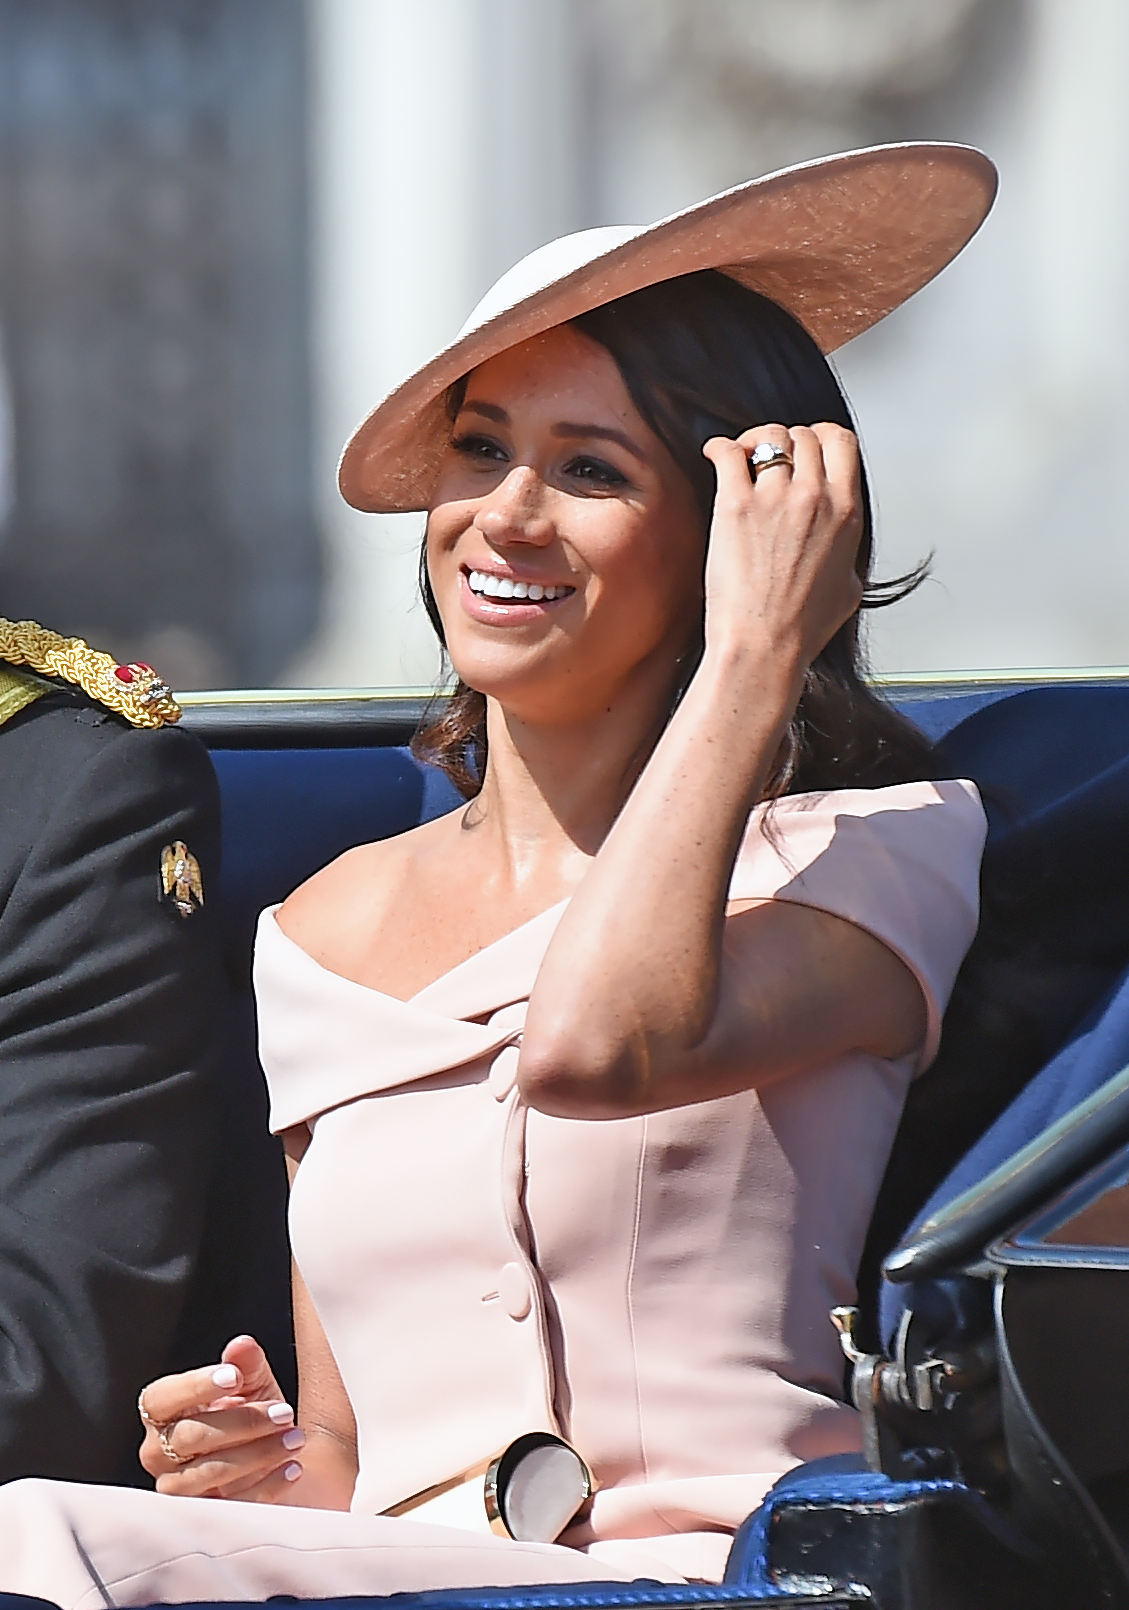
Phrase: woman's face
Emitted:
{"points": [[564, 545]]}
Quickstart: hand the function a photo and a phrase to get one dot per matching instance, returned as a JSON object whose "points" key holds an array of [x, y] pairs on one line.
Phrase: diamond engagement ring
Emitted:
{"points": [[765, 454]]}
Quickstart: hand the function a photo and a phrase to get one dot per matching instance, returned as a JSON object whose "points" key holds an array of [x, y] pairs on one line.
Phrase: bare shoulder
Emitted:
{"points": [[335, 915]]}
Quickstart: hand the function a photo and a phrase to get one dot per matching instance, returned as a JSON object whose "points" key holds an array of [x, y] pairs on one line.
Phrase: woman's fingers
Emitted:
{"points": [[842, 465], [225, 1429], [776, 467], [251, 1361], [243, 1374], [213, 1414], [270, 1489], [214, 1467], [174, 1396], [784, 539], [730, 460], [211, 1433]]}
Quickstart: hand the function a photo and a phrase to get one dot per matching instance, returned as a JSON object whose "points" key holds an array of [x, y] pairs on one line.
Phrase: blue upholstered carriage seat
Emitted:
{"points": [[1054, 755]]}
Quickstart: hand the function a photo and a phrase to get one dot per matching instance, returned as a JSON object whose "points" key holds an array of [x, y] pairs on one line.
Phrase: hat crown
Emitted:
{"points": [[544, 266]]}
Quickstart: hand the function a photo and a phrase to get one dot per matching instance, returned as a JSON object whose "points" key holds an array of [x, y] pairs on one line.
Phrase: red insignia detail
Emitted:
{"points": [[123, 673], [139, 665]]}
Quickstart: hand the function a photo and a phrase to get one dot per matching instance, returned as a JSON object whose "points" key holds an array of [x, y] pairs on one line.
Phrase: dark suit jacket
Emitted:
{"points": [[108, 1007]]}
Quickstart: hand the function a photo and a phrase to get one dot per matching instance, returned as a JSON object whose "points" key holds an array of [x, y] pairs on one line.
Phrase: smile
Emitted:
{"points": [[484, 586]]}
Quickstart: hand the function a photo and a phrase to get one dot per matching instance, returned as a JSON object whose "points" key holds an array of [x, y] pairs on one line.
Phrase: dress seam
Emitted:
{"points": [[629, 1295]]}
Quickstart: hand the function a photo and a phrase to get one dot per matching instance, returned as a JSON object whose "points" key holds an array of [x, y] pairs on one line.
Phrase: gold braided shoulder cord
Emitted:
{"points": [[133, 691]]}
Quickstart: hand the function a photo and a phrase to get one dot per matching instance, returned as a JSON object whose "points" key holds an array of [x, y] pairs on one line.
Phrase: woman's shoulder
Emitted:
{"points": [[935, 823], [901, 862], [958, 793], [334, 915]]}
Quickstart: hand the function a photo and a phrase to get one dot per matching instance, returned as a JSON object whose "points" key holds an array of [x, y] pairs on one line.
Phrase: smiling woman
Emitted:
{"points": [[588, 1086], [693, 358], [564, 487]]}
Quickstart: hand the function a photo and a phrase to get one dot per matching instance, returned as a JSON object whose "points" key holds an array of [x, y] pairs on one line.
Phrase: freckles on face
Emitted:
{"points": [[562, 534]]}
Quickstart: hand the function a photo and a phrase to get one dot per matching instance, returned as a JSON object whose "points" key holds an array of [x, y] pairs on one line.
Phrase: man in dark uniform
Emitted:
{"points": [[110, 986]]}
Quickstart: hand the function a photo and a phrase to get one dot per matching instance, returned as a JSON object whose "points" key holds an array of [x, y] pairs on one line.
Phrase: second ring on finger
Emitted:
{"points": [[164, 1430], [164, 1437], [770, 454]]}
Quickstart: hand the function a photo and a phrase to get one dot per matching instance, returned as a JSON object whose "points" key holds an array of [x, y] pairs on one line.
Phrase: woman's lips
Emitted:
{"points": [[484, 584], [509, 599]]}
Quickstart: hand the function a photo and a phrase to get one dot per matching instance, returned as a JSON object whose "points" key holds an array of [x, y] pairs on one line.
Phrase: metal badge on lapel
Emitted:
{"points": [[181, 882]]}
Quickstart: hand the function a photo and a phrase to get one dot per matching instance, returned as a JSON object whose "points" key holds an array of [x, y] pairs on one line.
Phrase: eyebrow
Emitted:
{"points": [[566, 429]]}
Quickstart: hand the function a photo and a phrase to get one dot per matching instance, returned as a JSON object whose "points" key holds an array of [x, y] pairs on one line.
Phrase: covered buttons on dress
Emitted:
{"points": [[503, 1071], [514, 1291]]}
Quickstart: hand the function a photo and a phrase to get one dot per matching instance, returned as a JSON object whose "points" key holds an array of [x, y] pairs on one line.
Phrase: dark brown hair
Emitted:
{"points": [[703, 356]]}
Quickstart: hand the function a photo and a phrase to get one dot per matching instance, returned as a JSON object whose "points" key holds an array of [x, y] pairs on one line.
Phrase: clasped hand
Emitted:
{"points": [[222, 1432]]}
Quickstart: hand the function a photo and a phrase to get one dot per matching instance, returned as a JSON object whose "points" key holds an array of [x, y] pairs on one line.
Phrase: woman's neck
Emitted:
{"points": [[553, 789]]}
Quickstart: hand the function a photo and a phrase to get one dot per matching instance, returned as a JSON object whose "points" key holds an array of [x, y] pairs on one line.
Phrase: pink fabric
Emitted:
{"points": [[85, 1548], [654, 1288]]}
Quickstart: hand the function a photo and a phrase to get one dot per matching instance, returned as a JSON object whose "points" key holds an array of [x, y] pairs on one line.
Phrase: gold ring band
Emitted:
{"points": [[170, 1453], [765, 454], [164, 1430]]}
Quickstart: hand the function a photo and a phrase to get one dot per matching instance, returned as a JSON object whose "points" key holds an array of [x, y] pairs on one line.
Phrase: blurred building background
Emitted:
{"points": [[228, 226]]}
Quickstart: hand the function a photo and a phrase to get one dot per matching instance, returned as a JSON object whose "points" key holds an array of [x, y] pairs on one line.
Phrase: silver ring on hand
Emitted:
{"points": [[164, 1430], [765, 454]]}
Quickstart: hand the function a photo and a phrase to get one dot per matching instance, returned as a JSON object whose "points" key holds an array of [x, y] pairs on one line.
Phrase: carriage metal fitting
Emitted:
{"points": [[925, 1410]]}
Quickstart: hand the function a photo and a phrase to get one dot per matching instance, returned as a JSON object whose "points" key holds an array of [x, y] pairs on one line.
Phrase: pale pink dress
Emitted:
{"points": [[656, 1289]]}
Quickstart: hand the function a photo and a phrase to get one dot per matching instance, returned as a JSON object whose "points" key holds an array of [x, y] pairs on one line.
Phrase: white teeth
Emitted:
{"points": [[483, 584]]}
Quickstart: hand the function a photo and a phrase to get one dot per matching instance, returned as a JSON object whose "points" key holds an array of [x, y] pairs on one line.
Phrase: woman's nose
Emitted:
{"points": [[516, 510]]}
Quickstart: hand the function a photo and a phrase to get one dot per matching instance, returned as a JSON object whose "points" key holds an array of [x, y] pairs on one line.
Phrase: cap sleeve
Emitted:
{"points": [[901, 862]]}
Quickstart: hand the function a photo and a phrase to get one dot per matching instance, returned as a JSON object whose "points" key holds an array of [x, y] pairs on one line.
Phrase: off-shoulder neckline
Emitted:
{"points": [[419, 999]]}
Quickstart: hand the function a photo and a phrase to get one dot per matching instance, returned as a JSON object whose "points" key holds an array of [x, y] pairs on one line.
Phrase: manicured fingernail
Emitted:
{"points": [[280, 1413], [294, 1439], [226, 1375], [292, 1471]]}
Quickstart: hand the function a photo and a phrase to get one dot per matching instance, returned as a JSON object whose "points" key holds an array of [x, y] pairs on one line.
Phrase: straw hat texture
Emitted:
{"points": [[839, 242]]}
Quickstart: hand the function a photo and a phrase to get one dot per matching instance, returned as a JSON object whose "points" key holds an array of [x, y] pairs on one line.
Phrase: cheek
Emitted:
{"points": [[445, 524], [667, 569]]}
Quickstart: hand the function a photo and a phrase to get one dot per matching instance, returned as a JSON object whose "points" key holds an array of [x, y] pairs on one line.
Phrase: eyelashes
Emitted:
{"points": [[597, 471], [583, 467], [479, 447]]}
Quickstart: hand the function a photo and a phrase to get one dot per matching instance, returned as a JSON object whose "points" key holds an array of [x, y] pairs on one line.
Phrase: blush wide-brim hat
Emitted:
{"points": [[839, 243]]}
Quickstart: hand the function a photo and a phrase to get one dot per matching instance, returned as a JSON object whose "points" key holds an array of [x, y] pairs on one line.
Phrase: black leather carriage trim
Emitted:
{"points": [[305, 720], [285, 718]]}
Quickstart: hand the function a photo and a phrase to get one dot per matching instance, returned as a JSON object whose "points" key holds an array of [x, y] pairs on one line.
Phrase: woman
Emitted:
{"points": [[587, 1088]]}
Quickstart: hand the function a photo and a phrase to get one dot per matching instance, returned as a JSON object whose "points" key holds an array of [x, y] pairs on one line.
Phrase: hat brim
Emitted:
{"points": [[839, 242]]}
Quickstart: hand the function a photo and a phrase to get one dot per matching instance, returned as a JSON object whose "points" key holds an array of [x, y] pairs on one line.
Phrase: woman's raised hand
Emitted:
{"points": [[224, 1431], [780, 572]]}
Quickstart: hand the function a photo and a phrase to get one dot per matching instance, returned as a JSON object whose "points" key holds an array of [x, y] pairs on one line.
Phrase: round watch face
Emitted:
{"points": [[535, 1488]]}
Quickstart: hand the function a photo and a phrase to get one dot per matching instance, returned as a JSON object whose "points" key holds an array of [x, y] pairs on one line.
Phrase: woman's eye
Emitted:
{"points": [[483, 448], [596, 471]]}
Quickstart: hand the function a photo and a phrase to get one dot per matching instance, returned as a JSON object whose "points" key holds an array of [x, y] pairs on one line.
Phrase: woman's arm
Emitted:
{"points": [[329, 1459], [646, 997], [226, 1433]]}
